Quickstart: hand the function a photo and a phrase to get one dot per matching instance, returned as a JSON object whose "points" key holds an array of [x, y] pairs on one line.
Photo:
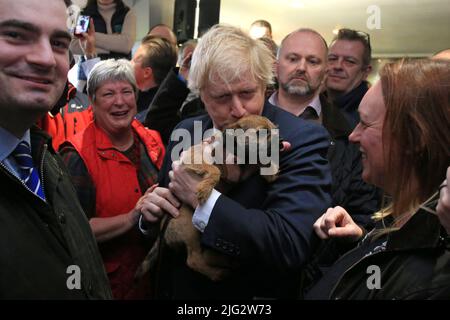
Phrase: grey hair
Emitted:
{"points": [[190, 43], [228, 53], [110, 70]]}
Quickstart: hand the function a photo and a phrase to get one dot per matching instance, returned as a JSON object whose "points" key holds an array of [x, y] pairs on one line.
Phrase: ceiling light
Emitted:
{"points": [[336, 29], [297, 4]]}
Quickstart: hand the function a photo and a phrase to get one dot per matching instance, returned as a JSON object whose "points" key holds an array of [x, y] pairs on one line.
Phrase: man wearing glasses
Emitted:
{"points": [[348, 67]]}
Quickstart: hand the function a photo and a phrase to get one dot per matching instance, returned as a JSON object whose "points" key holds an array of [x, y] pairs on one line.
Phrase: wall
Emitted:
{"points": [[151, 12]]}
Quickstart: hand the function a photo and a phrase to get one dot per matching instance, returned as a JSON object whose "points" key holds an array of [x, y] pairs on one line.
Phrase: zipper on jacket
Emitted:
{"points": [[23, 183], [42, 171], [351, 267]]}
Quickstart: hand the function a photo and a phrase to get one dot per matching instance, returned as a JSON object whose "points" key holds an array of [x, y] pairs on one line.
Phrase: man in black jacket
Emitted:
{"points": [[154, 58], [301, 68], [48, 251], [173, 100], [349, 66]]}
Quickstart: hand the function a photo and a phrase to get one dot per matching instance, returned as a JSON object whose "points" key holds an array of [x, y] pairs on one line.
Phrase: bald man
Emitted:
{"points": [[301, 69]]}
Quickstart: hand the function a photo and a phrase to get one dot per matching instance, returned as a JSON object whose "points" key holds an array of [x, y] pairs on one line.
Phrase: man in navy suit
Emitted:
{"points": [[266, 228]]}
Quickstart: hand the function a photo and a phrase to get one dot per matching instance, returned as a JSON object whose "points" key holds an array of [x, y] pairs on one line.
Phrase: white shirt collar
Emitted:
{"points": [[315, 102], [9, 142]]}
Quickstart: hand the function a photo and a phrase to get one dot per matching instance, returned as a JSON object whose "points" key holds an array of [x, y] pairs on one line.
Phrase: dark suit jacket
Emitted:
{"points": [[349, 103], [163, 113], [267, 228]]}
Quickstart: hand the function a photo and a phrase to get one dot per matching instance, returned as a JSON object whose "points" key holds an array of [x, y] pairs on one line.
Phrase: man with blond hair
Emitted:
{"points": [[264, 229]]}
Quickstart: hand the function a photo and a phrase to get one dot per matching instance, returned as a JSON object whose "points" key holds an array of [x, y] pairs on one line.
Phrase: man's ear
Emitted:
{"points": [[148, 72], [276, 66], [367, 71]]}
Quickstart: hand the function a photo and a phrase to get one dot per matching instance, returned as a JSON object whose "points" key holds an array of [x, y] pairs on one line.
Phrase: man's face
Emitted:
{"points": [[226, 103], [345, 66], [141, 73], [302, 64], [34, 59], [368, 133]]}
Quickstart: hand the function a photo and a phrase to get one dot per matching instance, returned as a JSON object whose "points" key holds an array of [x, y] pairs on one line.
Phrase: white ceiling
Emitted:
{"points": [[408, 27]]}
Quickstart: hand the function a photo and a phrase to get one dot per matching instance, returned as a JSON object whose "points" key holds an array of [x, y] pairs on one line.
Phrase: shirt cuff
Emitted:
{"points": [[142, 227], [202, 213]]}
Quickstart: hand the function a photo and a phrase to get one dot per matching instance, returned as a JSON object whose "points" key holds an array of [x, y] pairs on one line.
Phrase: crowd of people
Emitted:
{"points": [[89, 184]]}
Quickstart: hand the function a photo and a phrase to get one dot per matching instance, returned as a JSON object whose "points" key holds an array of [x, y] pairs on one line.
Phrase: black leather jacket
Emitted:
{"points": [[348, 189], [413, 262]]}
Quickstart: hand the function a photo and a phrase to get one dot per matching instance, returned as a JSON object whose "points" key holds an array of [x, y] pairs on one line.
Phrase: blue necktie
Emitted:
{"points": [[28, 173]]}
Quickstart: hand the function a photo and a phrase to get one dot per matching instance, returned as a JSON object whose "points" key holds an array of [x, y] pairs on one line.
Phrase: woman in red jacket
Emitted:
{"points": [[112, 163]]}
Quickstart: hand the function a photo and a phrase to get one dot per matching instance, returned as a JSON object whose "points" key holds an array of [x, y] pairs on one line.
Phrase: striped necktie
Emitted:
{"points": [[27, 171]]}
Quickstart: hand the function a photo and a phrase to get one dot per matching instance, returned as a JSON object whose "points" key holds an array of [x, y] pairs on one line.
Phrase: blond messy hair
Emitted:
{"points": [[228, 54]]}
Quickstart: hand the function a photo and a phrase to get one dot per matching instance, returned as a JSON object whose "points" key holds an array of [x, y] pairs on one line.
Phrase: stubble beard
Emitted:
{"points": [[298, 90]]}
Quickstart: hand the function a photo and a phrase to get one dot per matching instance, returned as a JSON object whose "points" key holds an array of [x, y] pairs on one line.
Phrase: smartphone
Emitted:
{"points": [[82, 24]]}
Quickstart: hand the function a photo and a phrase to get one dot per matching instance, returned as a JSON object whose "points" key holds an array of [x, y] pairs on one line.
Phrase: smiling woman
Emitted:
{"points": [[112, 163], [403, 136], [112, 91]]}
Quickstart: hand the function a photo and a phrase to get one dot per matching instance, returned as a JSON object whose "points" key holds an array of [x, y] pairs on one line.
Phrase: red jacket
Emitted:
{"points": [[61, 128], [67, 121], [117, 191]]}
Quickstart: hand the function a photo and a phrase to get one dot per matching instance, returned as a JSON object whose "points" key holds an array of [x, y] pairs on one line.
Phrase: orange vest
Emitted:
{"points": [[64, 124], [117, 191]]}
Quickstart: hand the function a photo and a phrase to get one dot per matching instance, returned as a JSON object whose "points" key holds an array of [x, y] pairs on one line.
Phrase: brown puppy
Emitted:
{"points": [[180, 233]]}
